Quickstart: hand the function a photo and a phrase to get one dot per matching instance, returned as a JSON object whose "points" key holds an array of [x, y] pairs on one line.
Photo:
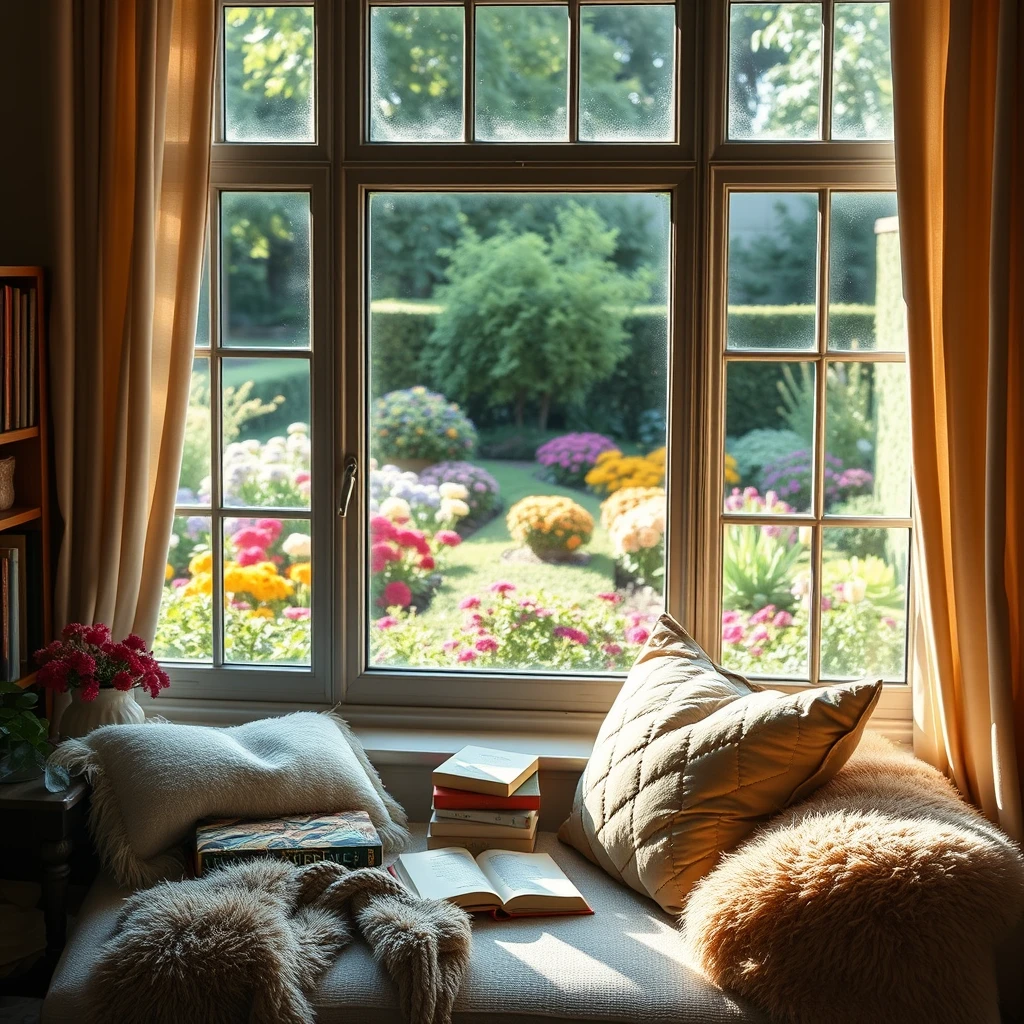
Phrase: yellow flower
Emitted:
{"points": [[573, 542], [262, 613], [452, 433], [301, 572], [549, 524], [168, 571], [201, 563], [732, 475], [201, 583]]}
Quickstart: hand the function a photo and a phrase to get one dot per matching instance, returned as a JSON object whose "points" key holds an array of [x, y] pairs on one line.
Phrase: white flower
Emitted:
{"points": [[297, 428], [453, 508], [175, 540], [297, 545], [855, 590], [395, 508], [452, 490]]}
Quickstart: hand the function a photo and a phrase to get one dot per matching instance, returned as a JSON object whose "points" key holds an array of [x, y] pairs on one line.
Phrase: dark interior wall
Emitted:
{"points": [[27, 164]]}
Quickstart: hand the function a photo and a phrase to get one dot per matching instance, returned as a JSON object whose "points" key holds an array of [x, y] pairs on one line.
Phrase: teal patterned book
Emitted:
{"points": [[347, 838]]}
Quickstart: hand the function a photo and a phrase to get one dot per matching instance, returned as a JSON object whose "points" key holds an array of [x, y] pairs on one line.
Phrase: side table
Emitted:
{"points": [[42, 825]]}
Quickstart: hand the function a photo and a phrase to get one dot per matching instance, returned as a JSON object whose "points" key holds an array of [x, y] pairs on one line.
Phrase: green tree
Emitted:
{"points": [[528, 319]]}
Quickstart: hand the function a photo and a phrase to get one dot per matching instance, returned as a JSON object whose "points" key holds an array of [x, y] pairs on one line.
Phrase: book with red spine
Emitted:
{"points": [[525, 798]]}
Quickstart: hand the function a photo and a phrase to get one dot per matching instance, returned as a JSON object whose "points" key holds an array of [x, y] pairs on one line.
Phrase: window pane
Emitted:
{"points": [[266, 269], [862, 73], [203, 317], [627, 66], [518, 350], [774, 71], [863, 602], [865, 305], [769, 444], [184, 629], [267, 590], [766, 588], [773, 245], [194, 477], [416, 74], [265, 423], [268, 74], [867, 439], [522, 74]]}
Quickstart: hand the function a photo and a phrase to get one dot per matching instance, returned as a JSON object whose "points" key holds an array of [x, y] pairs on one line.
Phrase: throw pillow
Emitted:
{"points": [[692, 757]]}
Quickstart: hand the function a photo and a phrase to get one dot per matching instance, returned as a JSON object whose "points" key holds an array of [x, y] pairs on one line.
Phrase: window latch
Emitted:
{"points": [[348, 484]]}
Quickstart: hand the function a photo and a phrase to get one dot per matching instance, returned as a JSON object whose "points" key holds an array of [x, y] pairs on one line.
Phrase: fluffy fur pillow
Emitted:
{"points": [[880, 898], [692, 757]]}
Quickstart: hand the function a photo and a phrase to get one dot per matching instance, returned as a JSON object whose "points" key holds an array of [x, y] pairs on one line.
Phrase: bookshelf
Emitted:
{"points": [[30, 514]]}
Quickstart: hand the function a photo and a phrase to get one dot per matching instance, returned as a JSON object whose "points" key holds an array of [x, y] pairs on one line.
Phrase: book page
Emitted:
{"points": [[527, 874], [446, 874]]}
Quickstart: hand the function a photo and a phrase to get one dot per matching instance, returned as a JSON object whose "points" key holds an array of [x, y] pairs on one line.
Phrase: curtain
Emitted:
{"points": [[133, 129], [959, 109]]}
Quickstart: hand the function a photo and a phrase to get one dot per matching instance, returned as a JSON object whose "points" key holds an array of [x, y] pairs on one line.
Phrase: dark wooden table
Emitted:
{"points": [[40, 829]]}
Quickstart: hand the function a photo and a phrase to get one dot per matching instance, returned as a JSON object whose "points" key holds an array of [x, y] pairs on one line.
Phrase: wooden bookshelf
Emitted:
{"points": [[30, 447]]}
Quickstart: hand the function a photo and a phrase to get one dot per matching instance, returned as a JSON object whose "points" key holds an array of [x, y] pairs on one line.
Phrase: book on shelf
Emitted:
{"points": [[10, 615], [346, 837], [486, 770], [525, 798], [511, 819], [440, 826], [18, 357], [499, 882]]}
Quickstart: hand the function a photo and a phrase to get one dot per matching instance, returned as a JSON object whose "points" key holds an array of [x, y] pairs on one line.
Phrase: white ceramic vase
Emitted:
{"points": [[111, 707]]}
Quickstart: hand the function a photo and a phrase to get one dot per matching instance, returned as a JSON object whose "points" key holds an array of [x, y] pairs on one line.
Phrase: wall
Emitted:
{"points": [[27, 167]]}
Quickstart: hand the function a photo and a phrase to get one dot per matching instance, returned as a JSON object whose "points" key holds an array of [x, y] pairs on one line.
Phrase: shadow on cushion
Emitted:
{"points": [[882, 897]]}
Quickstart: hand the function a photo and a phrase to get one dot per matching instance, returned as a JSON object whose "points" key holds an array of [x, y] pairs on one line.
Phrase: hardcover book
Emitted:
{"points": [[486, 770], [525, 798], [347, 838], [440, 826], [497, 881], [524, 819]]}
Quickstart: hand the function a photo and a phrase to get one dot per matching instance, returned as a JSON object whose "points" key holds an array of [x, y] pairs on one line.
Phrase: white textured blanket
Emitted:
{"points": [[152, 783]]}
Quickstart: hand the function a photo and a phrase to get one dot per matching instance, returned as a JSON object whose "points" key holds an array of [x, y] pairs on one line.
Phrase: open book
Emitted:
{"points": [[499, 881]]}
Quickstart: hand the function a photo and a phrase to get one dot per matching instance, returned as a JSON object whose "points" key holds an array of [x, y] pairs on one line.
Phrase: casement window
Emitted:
{"points": [[446, 235]]}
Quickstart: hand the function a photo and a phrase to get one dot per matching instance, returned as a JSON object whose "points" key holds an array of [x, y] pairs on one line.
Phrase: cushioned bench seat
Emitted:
{"points": [[623, 964]]}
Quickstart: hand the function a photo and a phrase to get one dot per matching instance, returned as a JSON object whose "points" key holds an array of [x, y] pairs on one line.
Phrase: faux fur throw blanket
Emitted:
{"points": [[152, 783], [248, 942]]}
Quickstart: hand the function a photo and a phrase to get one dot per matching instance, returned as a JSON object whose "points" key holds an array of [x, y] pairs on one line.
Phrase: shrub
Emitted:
{"points": [[638, 541], [568, 459], [551, 526], [791, 475], [482, 490], [624, 499], [613, 471], [756, 448], [420, 424]]}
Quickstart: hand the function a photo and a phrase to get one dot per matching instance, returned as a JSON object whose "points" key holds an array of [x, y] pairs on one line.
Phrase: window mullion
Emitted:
{"points": [[574, 70], [216, 436], [827, 29], [469, 74]]}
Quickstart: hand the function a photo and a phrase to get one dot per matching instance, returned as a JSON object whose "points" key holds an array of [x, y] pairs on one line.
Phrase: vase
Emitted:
{"points": [[6, 483], [111, 707]]}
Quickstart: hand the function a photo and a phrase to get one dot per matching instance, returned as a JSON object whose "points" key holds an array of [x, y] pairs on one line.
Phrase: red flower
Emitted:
{"points": [[271, 527], [637, 634], [397, 593], [413, 539], [251, 555], [611, 649], [467, 656], [53, 675], [577, 636], [90, 688], [427, 562], [502, 587], [486, 644], [449, 538], [134, 642], [381, 528], [470, 602], [97, 635], [380, 554], [252, 537], [123, 681], [611, 598], [72, 631], [82, 663]]}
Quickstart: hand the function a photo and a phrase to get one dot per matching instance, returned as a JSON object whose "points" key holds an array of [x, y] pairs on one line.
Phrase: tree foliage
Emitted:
{"points": [[528, 318]]}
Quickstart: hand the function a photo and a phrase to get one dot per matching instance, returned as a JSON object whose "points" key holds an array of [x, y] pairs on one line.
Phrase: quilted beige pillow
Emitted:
{"points": [[691, 757]]}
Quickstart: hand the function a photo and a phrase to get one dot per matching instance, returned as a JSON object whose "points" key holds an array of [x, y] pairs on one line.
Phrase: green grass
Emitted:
{"points": [[476, 563]]}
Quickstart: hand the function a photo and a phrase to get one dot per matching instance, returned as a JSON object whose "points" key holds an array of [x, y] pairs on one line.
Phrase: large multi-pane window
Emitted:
{"points": [[514, 358]]}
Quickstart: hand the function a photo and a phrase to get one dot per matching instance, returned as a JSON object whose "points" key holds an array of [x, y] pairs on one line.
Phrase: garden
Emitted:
{"points": [[515, 493]]}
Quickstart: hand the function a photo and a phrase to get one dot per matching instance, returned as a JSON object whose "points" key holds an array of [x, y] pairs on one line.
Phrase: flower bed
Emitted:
{"points": [[483, 494], [503, 629], [268, 475], [614, 471], [567, 459], [551, 526]]}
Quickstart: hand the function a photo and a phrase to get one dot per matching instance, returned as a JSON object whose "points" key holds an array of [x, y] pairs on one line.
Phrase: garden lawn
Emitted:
{"points": [[475, 564]]}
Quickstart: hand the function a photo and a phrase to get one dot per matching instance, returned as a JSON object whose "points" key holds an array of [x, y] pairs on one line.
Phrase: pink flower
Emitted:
{"points": [[468, 603], [272, 527], [412, 539], [251, 556], [181, 581], [889, 621], [756, 652], [427, 562], [90, 688], [241, 606], [386, 622], [732, 634], [380, 554], [252, 537], [764, 614], [637, 635], [486, 644], [123, 681], [450, 645], [397, 593], [826, 604], [467, 656], [302, 476], [449, 538], [381, 528], [475, 619], [759, 635], [782, 619], [543, 613], [502, 587], [611, 649], [729, 617], [611, 598], [296, 614], [577, 636]]}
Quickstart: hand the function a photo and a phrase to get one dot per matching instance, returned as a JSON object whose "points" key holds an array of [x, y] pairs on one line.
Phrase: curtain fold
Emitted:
{"points": [[959, 110], [134, 124]]}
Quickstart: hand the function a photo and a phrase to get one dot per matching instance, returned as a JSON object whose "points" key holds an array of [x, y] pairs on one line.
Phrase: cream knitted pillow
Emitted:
{"points": [[691, 757]]}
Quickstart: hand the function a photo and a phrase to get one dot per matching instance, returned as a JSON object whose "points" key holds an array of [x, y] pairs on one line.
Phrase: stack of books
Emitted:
{"points": [[17, 357], [12, 601], [485, 799]]}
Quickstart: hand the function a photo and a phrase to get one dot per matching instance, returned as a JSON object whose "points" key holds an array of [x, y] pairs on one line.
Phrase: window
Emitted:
{"points": [[510, 357]]}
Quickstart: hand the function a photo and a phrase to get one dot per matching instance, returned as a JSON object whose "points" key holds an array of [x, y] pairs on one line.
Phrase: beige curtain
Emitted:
{"points": [[134, 127], [958, 67]]}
